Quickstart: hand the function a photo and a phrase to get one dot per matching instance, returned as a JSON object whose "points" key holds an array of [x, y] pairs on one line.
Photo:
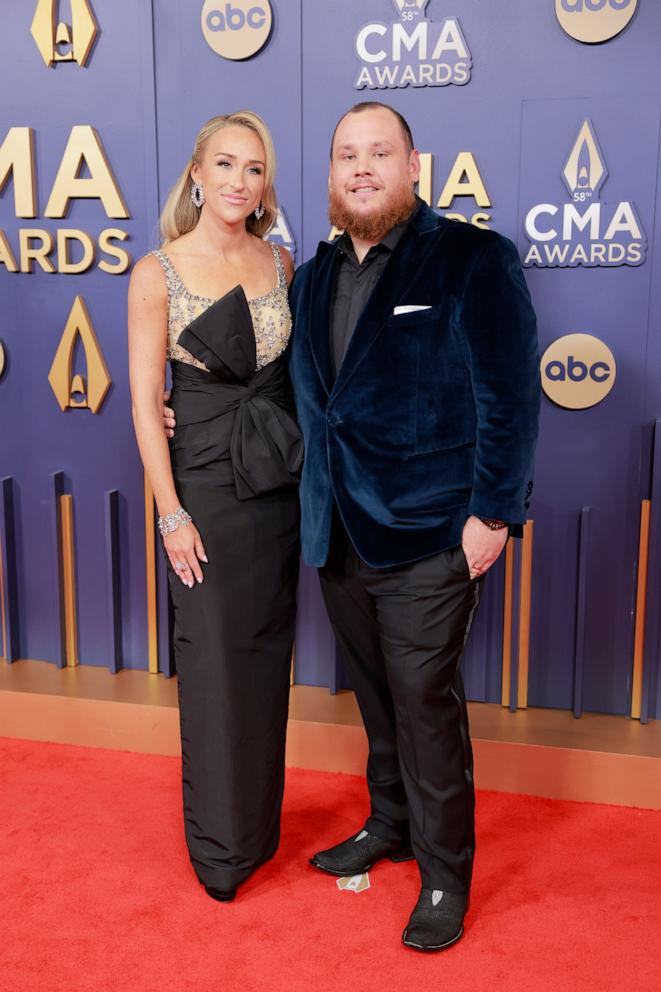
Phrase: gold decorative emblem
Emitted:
{"points": [[78, 392], [354, 883], [2, 358], [60, 42]]}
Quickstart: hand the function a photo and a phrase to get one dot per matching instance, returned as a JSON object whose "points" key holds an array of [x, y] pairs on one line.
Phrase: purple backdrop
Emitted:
{"points": [[150, 81]]}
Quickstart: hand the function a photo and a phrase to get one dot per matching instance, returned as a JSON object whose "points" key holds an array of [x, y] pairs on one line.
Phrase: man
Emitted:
{"points": [[414, 363]]}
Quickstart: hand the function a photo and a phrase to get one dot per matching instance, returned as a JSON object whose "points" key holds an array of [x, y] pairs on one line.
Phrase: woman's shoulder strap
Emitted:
{"points": [[279, 264], [172, 277]]}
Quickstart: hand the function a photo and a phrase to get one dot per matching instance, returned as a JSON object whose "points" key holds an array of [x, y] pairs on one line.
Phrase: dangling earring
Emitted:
{"points": [[259, 211], [197, 194]]}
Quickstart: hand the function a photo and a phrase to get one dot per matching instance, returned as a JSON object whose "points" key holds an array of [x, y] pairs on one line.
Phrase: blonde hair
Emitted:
{"points": [[180, 215]]}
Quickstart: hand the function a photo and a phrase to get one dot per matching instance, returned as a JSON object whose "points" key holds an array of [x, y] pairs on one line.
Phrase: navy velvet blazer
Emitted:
{"points": [[433, 415]]}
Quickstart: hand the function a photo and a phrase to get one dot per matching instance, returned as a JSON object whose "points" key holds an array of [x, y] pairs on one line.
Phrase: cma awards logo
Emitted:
{"points": [[584, 231], [60, 42], [237, 29], [578, 371], [79, 390], [412, 51], [594, 21]]}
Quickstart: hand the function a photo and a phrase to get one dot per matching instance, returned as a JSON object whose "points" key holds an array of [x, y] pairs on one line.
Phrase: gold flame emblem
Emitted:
{"points": [[60, 42], [78, 392]]}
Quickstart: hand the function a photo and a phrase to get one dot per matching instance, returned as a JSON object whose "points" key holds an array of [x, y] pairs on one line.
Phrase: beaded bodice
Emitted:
{"points": [[270, 314]]}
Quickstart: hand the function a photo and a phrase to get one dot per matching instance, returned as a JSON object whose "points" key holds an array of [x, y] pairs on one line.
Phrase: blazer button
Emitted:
{"points": [[333, 420]]}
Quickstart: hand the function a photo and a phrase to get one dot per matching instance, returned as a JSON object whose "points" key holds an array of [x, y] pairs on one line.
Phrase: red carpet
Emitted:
{"points": [[97, 895]]}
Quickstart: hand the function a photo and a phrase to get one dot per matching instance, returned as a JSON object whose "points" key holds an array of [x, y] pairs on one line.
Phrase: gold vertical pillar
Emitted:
{"points": [[524, 614], [68, 566], [507, 623], [150, 554], [641, 598]]}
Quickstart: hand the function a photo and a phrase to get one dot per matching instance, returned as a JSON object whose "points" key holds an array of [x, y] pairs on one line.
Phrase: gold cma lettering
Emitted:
{"points": [[60, 42], [36, 245], [16, 160], [39, 252], [84, 149], [464, 179], [78, 392]]}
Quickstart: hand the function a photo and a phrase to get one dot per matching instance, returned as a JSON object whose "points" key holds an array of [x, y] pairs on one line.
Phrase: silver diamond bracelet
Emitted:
{"points": [[173, 521]]}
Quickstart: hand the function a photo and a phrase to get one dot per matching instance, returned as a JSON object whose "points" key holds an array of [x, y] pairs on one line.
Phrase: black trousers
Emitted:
{"points": [[402, 631]]}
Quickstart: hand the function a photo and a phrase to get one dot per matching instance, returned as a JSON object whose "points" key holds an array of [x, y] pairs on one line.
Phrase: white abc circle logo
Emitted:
{"points": [[593, 21], [236, 29], [578, 371]]}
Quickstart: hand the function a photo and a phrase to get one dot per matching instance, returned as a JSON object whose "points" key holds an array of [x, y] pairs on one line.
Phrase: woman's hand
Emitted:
{"points": [[186, 551]]}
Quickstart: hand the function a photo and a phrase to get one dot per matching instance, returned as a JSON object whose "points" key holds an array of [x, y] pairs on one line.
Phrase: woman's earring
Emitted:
{"points": [[259, 212], [197, 194]]}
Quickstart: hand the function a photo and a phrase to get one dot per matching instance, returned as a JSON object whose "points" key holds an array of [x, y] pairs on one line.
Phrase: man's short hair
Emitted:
{"points": [[376, 105]]}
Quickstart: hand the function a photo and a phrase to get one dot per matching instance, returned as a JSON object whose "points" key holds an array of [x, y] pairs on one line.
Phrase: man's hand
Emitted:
{"points": [[481, 545], [169, 419]]}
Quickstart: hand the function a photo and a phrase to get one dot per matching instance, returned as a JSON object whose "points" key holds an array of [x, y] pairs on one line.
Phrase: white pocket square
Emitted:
{"points": [[408, 309]]}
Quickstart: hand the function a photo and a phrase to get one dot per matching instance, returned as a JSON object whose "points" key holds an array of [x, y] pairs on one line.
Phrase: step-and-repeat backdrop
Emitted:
{"points": [[540, 120]]}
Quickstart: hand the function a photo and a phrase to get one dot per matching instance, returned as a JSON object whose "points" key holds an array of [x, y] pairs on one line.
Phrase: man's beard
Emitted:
{"points": [[373, 226]]}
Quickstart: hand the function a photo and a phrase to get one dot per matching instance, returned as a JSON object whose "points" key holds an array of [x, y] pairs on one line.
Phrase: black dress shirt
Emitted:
{"points": [[354, 282]]}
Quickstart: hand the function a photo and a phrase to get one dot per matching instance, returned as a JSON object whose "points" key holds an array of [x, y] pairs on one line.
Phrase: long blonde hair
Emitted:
{"points": [[180, 215]]}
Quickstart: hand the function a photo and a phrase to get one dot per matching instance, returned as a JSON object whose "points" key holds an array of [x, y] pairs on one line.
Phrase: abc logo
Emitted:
{"points": [[236, 29], [578, 371], [593, 21]]}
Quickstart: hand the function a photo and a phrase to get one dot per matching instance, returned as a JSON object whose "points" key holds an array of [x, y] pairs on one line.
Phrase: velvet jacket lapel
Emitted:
{"points": [[422, 235], [319, 316]]}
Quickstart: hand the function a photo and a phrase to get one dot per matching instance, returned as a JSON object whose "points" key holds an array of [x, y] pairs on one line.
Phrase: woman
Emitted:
{"points": [[213, 301]]}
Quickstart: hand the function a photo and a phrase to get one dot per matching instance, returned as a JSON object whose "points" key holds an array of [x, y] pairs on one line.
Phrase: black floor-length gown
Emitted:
{"points": [[235, 459]]}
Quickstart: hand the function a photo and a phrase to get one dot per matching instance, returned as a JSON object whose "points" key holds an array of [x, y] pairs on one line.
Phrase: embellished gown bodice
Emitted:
{"points": [[271, 318], [230, 387]]}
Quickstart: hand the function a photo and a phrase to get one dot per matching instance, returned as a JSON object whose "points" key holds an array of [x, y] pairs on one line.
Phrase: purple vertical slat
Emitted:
{"points": [[114, 600], [164, 616], [57, 490], [10, 587], [581, 609], [516, 624]]}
